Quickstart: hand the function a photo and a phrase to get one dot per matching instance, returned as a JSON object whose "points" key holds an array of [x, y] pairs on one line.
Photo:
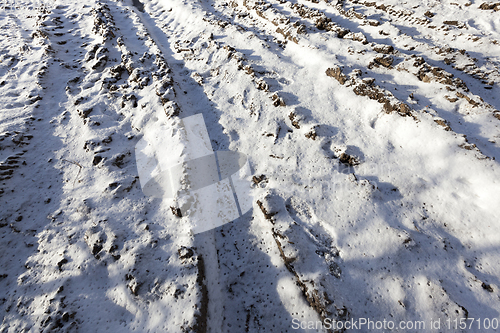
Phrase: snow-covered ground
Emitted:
{"points": [[372, 133]]}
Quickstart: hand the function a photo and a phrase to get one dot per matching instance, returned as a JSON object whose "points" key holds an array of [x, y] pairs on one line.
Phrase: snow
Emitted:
{"points": [[373, 189]]}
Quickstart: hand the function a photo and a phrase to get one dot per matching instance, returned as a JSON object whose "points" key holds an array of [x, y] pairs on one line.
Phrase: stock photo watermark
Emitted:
{"points": [[177, 161], [367, 324]]}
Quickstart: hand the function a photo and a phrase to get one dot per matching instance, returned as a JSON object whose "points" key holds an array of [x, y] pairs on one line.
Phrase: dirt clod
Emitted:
{"points": [[293, 118], [258, 179], [277, 101], [385, 61], [176, 211], [97, 159], [185, 253], [489, 6], [348, 159], [487, 287], [336, 73], [267, 215], [443, 123], [385, 49]]}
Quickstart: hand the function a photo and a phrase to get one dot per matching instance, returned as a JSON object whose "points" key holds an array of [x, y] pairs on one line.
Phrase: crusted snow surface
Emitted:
{"points": [[372, 133]]}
